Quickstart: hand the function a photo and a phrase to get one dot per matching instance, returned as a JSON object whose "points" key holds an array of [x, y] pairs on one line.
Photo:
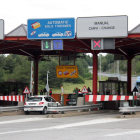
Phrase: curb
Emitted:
{"points": [[12, 113], [136, 115], [77, 113], [58, 115]]}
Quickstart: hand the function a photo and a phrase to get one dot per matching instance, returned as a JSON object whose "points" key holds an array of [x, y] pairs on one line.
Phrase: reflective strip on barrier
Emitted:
{"points": [[18, 98], [93, 98]]}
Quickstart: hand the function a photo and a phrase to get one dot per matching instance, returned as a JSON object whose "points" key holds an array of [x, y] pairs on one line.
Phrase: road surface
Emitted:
{"points": [[101, 126]]}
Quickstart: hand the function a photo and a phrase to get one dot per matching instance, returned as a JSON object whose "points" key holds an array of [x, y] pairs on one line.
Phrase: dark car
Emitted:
{"points": [[71, 99]]}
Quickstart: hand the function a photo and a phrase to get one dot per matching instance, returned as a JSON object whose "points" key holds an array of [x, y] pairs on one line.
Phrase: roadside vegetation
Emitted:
{"points": [[18, 67]]}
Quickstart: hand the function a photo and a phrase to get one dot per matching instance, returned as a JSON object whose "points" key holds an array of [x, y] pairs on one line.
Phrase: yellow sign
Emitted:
{"points": [[67, 71]]}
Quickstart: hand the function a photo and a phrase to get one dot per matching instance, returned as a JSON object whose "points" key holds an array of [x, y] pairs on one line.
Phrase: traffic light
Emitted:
{"points": [[46, 45], [96, 44]]}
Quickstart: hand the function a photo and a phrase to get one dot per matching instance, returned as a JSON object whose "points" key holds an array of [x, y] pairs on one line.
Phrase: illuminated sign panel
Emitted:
{"points": [[46, 45], [67, 71], [96, 44], [57, 44]]}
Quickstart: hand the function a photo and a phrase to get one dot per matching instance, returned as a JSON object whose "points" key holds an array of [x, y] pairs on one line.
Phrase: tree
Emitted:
{"points": [[2, 61], [9, 64], [53, 81]]}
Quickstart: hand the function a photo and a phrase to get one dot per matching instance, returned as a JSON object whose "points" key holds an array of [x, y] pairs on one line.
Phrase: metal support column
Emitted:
{"points": [[36, 77], [129, 74], [95, 73]]}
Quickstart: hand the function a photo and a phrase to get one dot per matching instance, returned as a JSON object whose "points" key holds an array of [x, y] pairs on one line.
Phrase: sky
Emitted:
{"points": [[16, 12]]}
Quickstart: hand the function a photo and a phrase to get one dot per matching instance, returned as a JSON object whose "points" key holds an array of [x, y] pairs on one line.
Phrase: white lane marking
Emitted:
{"points": [[90, 122], [123, 133], [24, 120]]}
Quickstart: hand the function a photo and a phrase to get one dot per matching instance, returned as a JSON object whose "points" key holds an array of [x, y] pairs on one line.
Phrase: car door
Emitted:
{"points": [[55, 103]]}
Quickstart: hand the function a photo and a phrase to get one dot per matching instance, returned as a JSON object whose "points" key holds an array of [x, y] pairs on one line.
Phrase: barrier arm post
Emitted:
{"points": [[76, 92], [62, 98]]}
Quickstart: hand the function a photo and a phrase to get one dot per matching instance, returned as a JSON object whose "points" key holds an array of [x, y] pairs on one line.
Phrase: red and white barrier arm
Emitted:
{"points": [[18, 98], [93, 98]]}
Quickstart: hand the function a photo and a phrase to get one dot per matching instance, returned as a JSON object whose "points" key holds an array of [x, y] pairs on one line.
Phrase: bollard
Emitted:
{"points": [[84, 101], [84, 98], [76, 92], [62, 97], [133, 104], [133, 101], [71, 101]]}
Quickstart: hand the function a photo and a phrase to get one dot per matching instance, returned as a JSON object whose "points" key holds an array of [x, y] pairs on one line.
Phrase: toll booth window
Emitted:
{"points": [[101, 88], [138, 83], [113, 88], [125, 88]]}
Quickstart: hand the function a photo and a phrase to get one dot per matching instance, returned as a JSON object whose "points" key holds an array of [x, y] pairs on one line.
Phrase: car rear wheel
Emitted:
{"points": [[44, 110], [27, 112]]}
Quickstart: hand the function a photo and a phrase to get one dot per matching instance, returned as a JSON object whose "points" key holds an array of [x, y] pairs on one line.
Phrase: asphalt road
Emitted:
{"points": [[102, 126]]}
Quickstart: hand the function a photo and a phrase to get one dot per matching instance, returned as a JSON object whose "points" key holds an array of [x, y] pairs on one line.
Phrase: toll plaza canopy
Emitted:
{"points": [[16, 42]]}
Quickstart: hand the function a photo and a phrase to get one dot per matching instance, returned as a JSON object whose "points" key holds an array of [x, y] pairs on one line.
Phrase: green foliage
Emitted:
{"points": [[79, 80], [88, 76], [22, 72], [9, 64], [53, 81], [89, 60], [2, 75], [2, 61]]}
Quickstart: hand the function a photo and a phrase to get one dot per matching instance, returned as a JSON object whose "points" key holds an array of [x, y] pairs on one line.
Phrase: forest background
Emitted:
{"points": [[19, 67]]}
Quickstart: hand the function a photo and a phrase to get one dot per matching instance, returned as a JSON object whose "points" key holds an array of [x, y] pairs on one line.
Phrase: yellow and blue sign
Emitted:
{"points": [[67, 71], [57, 28]]}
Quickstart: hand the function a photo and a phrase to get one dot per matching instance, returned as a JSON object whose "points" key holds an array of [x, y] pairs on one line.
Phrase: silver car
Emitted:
{"points": [[39, 103]]}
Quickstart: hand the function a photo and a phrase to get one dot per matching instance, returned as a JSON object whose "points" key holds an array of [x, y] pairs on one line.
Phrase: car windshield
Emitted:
{"points": [[34, 99], [71, 96]]}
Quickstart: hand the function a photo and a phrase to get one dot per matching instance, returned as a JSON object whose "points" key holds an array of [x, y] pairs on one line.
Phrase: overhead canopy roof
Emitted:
{"points": [[16, 42]]}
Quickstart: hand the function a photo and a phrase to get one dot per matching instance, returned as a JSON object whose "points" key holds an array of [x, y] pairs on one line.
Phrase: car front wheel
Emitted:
{"points": [[44, 110]]}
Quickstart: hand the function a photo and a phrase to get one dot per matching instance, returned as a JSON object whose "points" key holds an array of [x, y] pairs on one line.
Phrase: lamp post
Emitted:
{"points": [[47, 76]]}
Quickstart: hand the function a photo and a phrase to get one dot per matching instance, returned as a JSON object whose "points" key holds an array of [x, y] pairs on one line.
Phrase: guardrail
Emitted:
{"points": [[129, 109], [53, 108], [71, 108], [13, 108]]}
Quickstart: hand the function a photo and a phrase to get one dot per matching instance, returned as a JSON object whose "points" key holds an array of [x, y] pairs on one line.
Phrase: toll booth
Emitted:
{"points": [[11, 87], [112, 86]]}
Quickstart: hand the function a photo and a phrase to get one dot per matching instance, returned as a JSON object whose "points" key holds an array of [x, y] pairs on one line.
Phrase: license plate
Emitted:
{"points": [[32, 104]]}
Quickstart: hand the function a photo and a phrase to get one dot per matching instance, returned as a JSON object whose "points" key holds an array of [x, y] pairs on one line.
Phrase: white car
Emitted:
{"points": [[39, 103], [44, 34], [57, 34]]}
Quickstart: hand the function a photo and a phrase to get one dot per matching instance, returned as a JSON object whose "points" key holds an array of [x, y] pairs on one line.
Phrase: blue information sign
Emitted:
{"points": [[60, 28]]}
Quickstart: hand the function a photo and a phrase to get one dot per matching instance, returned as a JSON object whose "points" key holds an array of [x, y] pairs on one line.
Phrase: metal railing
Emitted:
{"points": [[72, 108], [129, 109], [13, 108], [54, 107]]}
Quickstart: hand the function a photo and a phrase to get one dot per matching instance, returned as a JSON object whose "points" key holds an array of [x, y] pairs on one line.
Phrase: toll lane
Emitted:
{"points": [[103, 126]]}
